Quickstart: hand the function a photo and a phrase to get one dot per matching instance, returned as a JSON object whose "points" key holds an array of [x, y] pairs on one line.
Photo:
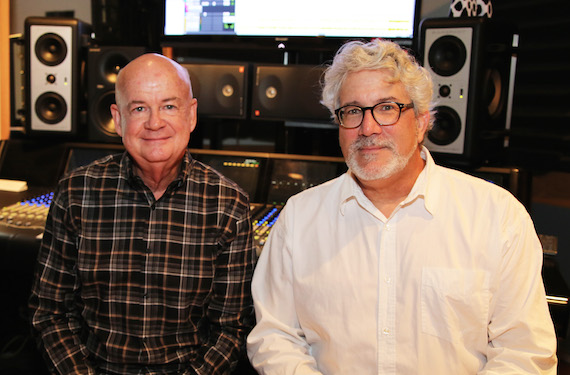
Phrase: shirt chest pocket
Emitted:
{"points": [[455, 303]]}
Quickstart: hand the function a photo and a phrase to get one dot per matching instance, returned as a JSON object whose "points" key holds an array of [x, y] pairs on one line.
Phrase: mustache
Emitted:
{"points": [[371, 141]]}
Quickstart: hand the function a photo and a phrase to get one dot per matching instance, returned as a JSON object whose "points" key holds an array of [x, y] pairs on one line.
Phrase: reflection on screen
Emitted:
{"points": [[290, 177]]}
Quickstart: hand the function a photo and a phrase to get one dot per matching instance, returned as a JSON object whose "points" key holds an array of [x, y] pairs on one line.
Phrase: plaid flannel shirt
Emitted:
{"points": [[128, 284]]}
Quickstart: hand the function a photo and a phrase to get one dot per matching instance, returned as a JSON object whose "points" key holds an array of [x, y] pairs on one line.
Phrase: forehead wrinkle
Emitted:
{"points": [[165, 100]]}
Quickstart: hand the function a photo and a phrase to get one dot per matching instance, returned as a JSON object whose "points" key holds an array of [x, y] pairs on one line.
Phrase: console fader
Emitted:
{"points": [[263, 218]]}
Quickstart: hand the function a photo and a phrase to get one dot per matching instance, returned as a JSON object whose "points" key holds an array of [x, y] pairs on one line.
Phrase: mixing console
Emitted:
{"points": [[263, 218], [32, 213], [29, 213]]}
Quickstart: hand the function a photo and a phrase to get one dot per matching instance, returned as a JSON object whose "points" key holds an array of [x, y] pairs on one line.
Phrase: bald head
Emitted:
{"points": [[146, 66], [154, 115]]}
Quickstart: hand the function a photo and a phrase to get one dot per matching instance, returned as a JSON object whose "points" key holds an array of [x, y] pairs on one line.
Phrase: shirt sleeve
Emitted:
{"points": [[230, 311], [521, 333], [277, 344], [55, 314]]}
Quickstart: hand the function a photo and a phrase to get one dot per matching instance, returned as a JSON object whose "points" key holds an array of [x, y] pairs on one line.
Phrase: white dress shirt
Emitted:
{"points": [[450, 283]]}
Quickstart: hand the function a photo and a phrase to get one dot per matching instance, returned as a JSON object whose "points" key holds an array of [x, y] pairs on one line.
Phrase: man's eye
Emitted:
{"points": [[353, 111], [169, 106], [138, 109], [385, 107]]}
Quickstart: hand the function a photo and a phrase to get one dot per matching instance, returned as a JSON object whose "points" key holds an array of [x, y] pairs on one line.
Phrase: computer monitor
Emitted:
{"points": [[287, 24], [315, 18]]}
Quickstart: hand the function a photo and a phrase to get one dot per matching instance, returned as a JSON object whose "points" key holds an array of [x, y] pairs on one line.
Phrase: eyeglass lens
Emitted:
{"points": [[383, 113]]}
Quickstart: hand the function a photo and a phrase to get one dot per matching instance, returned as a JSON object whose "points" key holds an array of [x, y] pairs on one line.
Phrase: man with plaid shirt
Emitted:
{"points": [[147, 256]]}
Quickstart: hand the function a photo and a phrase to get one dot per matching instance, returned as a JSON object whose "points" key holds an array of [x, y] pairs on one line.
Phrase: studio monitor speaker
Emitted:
{"points": [[17, 81], [103, 65], [472, 63], [55, 62], [288, 92], [221, 89]]}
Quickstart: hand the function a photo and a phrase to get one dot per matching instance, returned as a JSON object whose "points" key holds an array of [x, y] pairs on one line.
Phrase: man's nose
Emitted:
{"points": [[155, 120], [369, 125]]}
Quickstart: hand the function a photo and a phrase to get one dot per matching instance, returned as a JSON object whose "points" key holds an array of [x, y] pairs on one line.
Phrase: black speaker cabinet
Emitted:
{"points": [[128, 22], [288, 92], [103, 65], [221, 89], [56, 50], [472, 63], [17, 81]]}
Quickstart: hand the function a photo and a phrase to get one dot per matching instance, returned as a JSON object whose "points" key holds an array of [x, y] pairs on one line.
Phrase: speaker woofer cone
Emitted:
{"points": [[226, 90], [51, 49], [111, 66], [51, 108], [103, 114], [269, 91], [494, 93], [446, 127], [447, 55]]}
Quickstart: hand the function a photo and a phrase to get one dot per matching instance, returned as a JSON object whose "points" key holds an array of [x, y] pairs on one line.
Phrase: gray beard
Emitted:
{"points": [[361, 170]]}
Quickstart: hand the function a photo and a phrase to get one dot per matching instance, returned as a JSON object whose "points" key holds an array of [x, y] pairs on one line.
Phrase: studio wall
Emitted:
{"points": [[21, 9]]}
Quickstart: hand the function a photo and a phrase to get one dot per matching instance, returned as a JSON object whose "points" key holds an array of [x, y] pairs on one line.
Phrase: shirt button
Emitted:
{"points": [[388, 228], [386, 331], [388, 280]]}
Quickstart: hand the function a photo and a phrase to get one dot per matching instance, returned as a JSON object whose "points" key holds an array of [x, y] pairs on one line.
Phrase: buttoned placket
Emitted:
{"points": [[387, 266], [146, 272]]}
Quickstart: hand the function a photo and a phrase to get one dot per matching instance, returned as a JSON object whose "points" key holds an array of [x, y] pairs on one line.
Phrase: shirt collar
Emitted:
{"points": [[421, 186], [349, 190], [127, 170], [352, 191]]}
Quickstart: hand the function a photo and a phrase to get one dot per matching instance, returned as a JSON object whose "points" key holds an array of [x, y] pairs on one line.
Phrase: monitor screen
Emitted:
{"points": [[289, 177], [81, 156], [243, 170], [292, 18]]}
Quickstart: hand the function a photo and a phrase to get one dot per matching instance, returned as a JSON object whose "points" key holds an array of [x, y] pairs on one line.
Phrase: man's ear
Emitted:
{"points": [[422, 123], [193, 114], [117, 119]]}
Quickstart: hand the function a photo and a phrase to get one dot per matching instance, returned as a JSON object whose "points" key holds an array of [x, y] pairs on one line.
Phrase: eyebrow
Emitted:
{"points": [[170, 99], [386, 99]]}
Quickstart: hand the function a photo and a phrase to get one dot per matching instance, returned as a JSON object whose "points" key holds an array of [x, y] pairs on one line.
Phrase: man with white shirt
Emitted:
{"points": [[399, 266]]}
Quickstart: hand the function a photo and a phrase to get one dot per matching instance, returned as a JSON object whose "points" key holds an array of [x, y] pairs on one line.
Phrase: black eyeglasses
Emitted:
{"points": [[385, 113]]}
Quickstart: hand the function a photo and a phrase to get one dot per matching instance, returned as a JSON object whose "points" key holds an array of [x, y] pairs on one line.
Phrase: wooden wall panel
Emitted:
{"points": [[4, 69]]}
